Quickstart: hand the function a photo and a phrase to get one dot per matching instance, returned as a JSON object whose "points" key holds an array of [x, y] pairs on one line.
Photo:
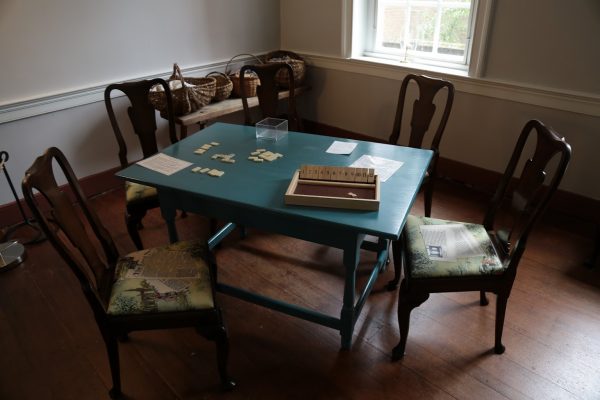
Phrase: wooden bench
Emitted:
{"points": [[220, 109]]}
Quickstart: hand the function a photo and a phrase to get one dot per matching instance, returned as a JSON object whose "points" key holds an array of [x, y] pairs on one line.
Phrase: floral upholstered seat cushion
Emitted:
{"points": [[170, 278], [422, 266], [135, 192]]}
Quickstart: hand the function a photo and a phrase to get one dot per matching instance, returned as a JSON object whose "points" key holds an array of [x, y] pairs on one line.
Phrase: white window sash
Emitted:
{"points": [[366, 40]]}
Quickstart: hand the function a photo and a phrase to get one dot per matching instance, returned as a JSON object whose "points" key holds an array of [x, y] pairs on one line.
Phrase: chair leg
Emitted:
{"points": [[222, 342], [397, 254], [501, 302], [112, 348], [483, 301], [406, 302], [428, 193], [133, 220]]}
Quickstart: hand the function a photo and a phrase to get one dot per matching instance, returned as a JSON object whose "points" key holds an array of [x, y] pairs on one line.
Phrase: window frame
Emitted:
{"points": [[362, 18]]}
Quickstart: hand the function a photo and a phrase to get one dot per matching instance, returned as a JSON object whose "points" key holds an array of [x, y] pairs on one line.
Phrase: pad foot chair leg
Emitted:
{"points": [[397, 254], [406, 302], [112, 348], [133, 222], [222, 342], [483, 301], [500, 312], [428, 192]]}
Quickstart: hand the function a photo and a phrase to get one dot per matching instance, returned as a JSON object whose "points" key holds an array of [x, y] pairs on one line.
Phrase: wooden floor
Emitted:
{"points": [[50, 347]]}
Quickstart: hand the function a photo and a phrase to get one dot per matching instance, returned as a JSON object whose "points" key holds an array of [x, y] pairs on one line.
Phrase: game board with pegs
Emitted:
{"points": [[336, 187]]}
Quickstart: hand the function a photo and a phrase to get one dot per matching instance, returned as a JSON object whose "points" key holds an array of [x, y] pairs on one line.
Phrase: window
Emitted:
{"points": [[441, 33]]}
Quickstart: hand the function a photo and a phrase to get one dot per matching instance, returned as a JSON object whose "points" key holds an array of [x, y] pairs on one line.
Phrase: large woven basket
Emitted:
{"points": [[224, 85], [188, 94], [293, 60], [251, 81]]}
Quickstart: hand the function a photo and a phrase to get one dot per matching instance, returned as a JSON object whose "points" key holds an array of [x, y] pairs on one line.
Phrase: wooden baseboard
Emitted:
{"points": [[92, 185]]}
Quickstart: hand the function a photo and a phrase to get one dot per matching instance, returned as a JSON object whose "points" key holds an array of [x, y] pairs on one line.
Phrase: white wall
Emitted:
{"points": [[483, 128], [65, 45], [312, 26], [56, 46], [553, 43]]}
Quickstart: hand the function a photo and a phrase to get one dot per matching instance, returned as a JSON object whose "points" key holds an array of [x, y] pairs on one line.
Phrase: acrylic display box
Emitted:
{"points": [[271, 129]]}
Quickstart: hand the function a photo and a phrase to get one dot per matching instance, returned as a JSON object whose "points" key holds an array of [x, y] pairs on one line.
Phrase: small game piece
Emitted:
{"points": [[228, 160], [206, 146], [267, 155], [199, 151], [255, 153], [353, 195], [261, 150], [216, 173], [215, 143], [204, 170], [196, 169]]}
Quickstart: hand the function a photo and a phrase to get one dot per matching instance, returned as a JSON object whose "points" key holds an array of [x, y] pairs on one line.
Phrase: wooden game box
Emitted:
{"points": [[334, 187]]}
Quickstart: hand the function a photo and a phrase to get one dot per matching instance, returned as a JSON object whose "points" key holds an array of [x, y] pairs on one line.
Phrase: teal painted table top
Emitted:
{"points": [[261, 186], [252, 194]]}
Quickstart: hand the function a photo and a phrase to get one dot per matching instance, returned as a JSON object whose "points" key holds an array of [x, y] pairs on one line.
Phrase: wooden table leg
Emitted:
{"points": [[351, 258]]}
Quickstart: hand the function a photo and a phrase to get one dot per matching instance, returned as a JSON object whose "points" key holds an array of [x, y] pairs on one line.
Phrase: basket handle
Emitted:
{"points": [[217, 73], [177, 74], [237, 55]]}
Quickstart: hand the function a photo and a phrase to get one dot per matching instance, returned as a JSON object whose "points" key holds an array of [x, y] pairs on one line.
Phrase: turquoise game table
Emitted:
{"points": [[251, 194]]}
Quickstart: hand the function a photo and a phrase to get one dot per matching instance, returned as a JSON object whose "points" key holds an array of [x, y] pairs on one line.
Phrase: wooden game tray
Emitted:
{"points": [[333, 194]]}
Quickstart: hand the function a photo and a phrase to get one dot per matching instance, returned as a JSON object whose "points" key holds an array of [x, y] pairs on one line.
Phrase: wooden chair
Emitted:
{"points": [[422, 114], [267, 93], [502, 237], [139, 198], [137, 291]]}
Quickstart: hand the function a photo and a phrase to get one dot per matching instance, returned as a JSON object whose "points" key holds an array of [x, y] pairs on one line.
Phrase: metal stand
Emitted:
{"points": [[12, 253]]}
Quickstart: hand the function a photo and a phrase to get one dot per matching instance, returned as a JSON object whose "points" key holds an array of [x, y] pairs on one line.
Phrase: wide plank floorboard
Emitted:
{"points": [[50, 347]]}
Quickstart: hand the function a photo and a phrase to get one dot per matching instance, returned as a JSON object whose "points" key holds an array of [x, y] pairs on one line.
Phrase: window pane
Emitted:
{"points": [[436, 30], [422, 28], [454, 31], [394, 18]]}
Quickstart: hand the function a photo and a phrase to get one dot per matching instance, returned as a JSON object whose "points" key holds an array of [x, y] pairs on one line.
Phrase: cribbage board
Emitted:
{"points": [[335, 187]]}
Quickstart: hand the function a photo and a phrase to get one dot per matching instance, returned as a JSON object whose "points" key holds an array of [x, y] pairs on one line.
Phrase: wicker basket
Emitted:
{"points": [[186, 99], [293, 60], [251, 80], [224, 86]]}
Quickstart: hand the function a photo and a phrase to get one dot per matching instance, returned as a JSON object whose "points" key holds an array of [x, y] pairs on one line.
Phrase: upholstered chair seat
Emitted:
{"points": [[136, 193], [422, 266], [162, 279]]}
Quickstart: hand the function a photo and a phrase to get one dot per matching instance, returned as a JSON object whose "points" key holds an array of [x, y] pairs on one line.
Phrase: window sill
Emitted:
{"points": [[565, 100], [423, 68]]}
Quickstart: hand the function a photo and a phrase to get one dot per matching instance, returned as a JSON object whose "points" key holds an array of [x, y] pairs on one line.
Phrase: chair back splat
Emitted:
{"points": [[67, 233], [498, 243], [139, 198], [138, 291], [141, 114], [268, 93], [531, 193], [423, 111]]}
